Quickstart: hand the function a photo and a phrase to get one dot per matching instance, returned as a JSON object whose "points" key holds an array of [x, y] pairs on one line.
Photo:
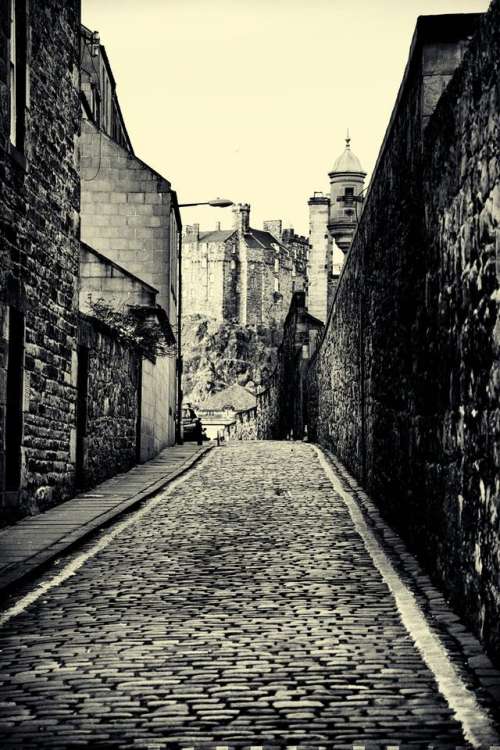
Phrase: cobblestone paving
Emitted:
{"points": [[242, 611]]}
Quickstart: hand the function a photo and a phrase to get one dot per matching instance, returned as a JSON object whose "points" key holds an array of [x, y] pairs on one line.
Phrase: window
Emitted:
{"points": [[96, 104], [276, 265], [276, 285], [18, 72], [349, 192]]}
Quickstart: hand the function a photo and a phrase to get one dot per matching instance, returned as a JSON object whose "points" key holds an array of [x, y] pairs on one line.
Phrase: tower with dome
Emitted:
{"points": [[332, 222]]}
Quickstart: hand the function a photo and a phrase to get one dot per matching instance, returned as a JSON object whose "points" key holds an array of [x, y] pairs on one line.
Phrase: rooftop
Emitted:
{"points": [[235, 398], [348, 161]]}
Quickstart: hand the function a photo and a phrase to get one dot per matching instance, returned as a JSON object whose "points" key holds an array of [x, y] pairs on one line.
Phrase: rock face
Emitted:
{"points": [[218, 354]]}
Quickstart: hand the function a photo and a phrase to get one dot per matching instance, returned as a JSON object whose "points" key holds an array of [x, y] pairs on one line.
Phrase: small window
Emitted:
{"points": [[276, 265], [349, 191], [233, 265], [18, 72], [276, 285]]}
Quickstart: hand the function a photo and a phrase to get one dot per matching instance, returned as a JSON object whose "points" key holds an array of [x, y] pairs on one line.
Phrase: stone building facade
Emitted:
{"points": [[39, 252], [333, 220], [130, 224], [77, 402], [242, 274], [98, 87]]}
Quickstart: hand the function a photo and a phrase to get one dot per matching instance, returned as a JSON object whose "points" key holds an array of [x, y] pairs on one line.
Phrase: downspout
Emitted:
{"points": [[178, 423]]}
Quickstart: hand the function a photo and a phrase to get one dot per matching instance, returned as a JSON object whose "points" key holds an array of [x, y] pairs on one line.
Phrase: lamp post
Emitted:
{"points": [[215, 203]]}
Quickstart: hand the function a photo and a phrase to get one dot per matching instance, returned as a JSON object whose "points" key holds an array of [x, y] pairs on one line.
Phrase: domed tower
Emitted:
{"points": [[347, 180]]}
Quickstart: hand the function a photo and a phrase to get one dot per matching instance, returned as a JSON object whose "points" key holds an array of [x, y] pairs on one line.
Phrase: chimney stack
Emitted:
{"points": [[241, 214], [274, 227]]}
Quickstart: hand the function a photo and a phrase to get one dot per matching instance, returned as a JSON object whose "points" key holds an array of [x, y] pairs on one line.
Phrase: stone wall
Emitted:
{"points": [[405, 385], [102, 279], [39, 256], [244, 426], [269, 408], [459, 367], [127, 213], [157, 406], [110, 433]]}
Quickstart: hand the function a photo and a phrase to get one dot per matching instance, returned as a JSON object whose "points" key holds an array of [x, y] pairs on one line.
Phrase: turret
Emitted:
{"points": [[347, 179]]}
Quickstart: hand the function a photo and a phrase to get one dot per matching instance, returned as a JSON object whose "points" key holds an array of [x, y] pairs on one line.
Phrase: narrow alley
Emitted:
{"points": [[249, 604]]}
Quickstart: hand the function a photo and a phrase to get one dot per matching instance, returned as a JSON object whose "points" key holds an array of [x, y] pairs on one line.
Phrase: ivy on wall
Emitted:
{"points": [[132, 328]]}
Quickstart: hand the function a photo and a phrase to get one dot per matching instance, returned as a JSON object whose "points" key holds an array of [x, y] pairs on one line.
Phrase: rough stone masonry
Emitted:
{"points": [[406, 382], [39, 253]]}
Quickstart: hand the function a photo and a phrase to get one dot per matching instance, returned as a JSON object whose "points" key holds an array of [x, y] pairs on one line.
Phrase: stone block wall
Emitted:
{"points": [[157, 406], [405, 384], [244, 426], [109, 439], [127, 214], [101, 278], [39, 257]]}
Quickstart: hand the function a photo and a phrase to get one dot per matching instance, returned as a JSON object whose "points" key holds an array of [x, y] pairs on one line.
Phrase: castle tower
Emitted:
{"points": [[319, 266], [347, 179]]}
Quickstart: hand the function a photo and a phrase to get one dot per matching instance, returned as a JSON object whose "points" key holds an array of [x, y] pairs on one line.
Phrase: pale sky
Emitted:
{"points": [[250, 99]]}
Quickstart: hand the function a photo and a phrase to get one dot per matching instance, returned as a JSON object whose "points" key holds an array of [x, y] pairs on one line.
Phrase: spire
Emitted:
{"points": [[348, 140]]}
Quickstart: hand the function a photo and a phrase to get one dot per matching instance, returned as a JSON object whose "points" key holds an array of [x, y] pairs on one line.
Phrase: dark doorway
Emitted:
{"points": [[82, 386], [14, 412]]}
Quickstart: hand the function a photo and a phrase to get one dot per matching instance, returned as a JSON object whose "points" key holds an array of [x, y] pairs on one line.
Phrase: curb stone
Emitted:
{"points": [[465, 650]]}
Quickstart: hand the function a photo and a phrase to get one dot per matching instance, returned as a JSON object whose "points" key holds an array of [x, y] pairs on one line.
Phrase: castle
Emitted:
{"points": [[243, 274], [332, 223]]}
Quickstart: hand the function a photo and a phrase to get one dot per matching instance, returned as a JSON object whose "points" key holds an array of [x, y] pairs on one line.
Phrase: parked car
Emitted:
{"points": [[191, 425]]}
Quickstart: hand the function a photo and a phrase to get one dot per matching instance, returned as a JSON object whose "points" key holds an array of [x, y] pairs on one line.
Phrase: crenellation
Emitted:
{"points": [[244, 274]]}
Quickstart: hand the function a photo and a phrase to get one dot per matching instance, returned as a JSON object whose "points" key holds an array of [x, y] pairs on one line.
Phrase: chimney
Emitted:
{"points": [[217, 226], [274, 227], [241, 215], [196, 230]]}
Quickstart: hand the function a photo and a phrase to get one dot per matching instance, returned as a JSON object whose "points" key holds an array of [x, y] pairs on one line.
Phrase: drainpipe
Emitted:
{"points": [[179, 437], [179, 365]]}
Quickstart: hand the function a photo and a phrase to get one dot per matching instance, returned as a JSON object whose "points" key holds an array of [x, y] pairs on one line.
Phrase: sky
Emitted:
{"points": [[251, 99]]}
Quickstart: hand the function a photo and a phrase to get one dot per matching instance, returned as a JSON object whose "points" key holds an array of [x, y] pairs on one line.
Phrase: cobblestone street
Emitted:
{"points": [[243, 608]]}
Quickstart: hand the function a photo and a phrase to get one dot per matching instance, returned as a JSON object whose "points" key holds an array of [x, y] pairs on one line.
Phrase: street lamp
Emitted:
{"points": [[215, 203]]}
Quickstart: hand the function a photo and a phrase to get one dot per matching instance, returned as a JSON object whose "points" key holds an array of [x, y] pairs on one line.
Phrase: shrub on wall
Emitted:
{"points": [[133, 329]]}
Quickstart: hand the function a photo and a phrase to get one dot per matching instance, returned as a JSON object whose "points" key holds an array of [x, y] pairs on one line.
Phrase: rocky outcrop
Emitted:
{"points": [[218, 354]]}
